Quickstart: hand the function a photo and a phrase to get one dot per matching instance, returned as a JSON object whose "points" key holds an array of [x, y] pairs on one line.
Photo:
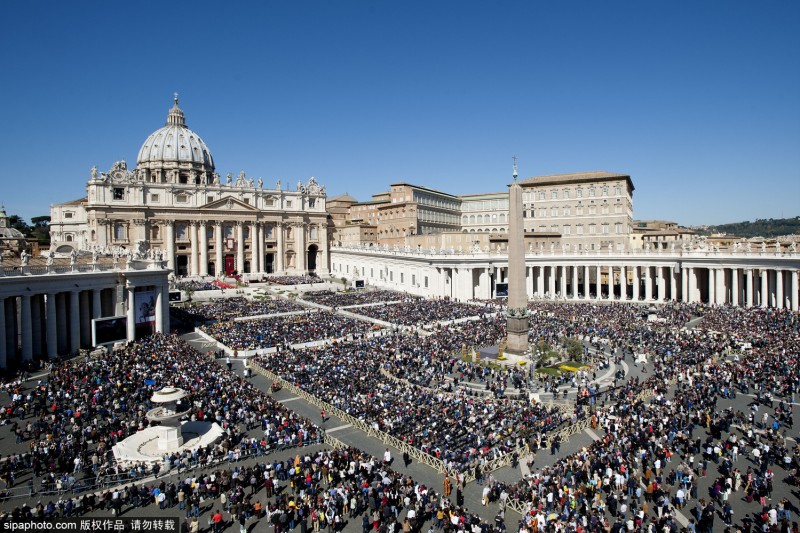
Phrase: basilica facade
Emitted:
{"points": [[175, 203]]}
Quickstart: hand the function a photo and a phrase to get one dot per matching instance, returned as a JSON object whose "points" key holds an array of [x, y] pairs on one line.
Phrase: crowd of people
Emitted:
{"points": [[348, 298], [325, 490], [292, 280], [286, 330], [196, 285], [417, 312], [71, 421], [225, 309]]}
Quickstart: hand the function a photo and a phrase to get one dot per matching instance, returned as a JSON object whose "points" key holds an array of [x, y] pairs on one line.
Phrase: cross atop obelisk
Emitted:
{"points": [[517, 325]]}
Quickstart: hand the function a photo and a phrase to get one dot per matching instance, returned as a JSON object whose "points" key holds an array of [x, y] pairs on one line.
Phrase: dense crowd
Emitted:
{"points": [[648, 463], [286, 330], [347, 298], [224, 309], [423, 312], [292, 280], [71, 421], [196, 285], [365, 379], [323, 490]]}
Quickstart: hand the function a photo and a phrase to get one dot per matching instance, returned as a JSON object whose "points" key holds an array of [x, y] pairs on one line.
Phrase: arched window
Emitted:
{"points": [[68, 237]]}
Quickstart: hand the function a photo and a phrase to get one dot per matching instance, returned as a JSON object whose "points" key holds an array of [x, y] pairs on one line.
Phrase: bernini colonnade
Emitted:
{"points": [[766, 279]]}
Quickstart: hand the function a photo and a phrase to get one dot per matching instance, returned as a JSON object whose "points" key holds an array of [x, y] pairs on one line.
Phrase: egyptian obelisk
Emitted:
{"points": [[517, 325]]}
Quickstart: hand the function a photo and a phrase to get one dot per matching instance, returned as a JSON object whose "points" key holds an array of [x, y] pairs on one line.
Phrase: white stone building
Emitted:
{"points": [[176, 201]]}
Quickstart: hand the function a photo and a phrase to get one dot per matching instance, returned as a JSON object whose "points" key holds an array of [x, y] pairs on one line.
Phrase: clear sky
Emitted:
{"points": [[698, 101]]}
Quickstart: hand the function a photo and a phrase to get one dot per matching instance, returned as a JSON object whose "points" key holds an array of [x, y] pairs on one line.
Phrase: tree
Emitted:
{"points": [[18, 223]]}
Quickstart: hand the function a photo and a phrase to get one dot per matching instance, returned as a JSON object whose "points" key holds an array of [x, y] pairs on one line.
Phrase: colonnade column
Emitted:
{"points": [[239, 246], [586, 282], [779, 289], [74, 322], [661, 283], [169, 235], [574, 283], [623, 283], [85, 319], [255, 255], [748, 279], [551, 285], [685, 285], [540, 281], [720, 286], [25, 327], [597, 285], [3, 359], [280, 231], [219, 264], [203, 249], [764, 300], [673, 286], [563, 277], [735, 286], [131, 314], [610, 282], [636, 283], [711, 286], [36, 323], [51, 335], [648, 284], [193, 255], [794, 290]]}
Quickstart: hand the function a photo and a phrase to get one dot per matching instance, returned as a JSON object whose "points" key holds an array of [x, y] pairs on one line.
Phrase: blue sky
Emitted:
{"points": [[698, 101]]}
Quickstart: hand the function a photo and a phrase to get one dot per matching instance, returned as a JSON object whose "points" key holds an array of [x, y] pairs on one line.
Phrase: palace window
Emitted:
{"points": [[567, 229], [579, 229], [119, 193], [154, 198], [288, 203], [592, 210], [312, 202], [592, 229], [68, 214], [181, 198], [579, 193], [605, 229], [554, 195], [591, 193]]}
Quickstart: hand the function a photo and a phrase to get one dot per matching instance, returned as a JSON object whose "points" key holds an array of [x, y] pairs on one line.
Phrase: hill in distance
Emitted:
{"points": [[772, 227]]}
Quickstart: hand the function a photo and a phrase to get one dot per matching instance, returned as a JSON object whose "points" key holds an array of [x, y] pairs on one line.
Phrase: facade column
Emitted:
{"points": [[648, 284], [586, 282], [794, 290], [85, 319], [623, 283], [300, 245], [636, 282], [169, 236], [748, 279], [779, 303], [574, 282], [597, 283], [323, 247], [51, 334], [74, 321], [260, 246], [131, 314], [194, 256], [281, 236], [203, 249], [239, 247], [734, 287], [3, 358], [255, 263], [219, 263], [25, 327], [685, 285], [764, 288]]}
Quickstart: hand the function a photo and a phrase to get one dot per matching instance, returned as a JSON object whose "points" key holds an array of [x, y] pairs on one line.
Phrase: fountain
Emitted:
{"points": [[167, 434]]}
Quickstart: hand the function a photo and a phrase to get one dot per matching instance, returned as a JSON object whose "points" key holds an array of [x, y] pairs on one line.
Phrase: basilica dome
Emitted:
{"points": [[175, 145]]}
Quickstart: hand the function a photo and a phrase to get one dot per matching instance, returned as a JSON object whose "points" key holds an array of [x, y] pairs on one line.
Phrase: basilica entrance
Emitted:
{"points": [[182, 265], [312, 258], [230, 265]]}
